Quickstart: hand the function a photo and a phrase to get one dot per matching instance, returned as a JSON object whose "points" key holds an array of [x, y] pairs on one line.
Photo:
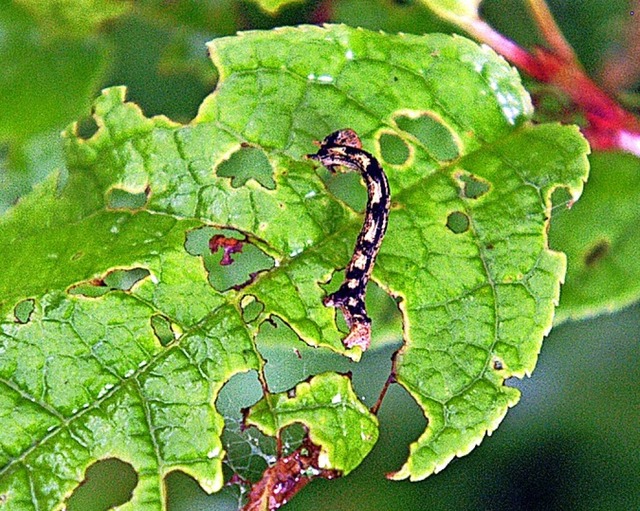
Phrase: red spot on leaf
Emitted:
{"points": [[228, 245]]}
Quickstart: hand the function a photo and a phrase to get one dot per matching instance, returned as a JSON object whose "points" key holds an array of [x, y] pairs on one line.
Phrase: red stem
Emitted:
{"points": [[610, 126]]}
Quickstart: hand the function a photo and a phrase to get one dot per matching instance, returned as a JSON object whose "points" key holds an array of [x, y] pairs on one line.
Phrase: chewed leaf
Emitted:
{"points": [[479, 294], [338, 422], [132, 371], [91, 403]]}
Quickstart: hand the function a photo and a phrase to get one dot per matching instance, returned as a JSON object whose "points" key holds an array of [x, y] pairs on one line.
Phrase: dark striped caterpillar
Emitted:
{"points": [[344, 149]]}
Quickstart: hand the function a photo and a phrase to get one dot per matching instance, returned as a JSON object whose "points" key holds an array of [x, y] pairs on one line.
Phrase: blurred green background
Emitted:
{"points": [[572, 443]]}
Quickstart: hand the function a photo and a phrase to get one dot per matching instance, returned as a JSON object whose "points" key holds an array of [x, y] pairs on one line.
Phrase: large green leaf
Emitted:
{"points": [[600, 237], [86, 373]]}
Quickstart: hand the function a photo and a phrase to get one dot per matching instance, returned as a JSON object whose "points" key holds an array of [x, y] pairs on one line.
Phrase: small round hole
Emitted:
{"points": [[393, 149], [472, 186], [458, 222], [23, 310], [86, 127]]}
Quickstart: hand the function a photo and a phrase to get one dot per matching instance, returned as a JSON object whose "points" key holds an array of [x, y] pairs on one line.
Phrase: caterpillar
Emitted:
{"points": [[343, 148]]}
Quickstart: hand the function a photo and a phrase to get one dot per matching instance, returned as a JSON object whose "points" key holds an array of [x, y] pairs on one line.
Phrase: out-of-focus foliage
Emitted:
{"points": [[600, 237]]}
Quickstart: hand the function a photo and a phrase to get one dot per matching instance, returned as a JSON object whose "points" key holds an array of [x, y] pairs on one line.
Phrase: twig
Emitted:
{"points": [[610, 127]]}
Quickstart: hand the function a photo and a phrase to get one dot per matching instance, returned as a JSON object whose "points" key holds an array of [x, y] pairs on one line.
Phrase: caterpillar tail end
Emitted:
{"points": [[357, 320], [359, 335]]}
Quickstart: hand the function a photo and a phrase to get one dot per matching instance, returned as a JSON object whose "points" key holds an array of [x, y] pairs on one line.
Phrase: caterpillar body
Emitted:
{"points": [[343, 149]]}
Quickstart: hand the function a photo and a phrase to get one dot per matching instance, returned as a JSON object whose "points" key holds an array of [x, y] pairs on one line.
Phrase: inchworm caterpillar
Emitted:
{"points": [[344, 149]]}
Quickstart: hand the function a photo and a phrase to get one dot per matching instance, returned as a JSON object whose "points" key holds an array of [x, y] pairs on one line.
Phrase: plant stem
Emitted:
{"points": [[550, 30], [610, 127]]}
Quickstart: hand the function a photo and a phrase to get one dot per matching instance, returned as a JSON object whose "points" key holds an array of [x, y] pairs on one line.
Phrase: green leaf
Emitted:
{"points": [[273, 6], [90, 376], [74, 17], [485, 300], [337, 420], [408, 17], [600, 237], [455, 11], [46, 81]]}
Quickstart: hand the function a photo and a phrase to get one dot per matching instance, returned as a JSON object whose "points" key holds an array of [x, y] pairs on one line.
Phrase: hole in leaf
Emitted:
{"points": [[90, 289], [86, 127], [247, 163], [472, 187], [598, 252], [107, 484], [393, 149], [184, 493], [292, 437], [248, 451], [115, 280], [118, 198], [23, 310], [162, 329], [331, 287], [124, 280], [458, 222], [241, 391], [225, 272], [290, 360], [437, 138], [251, 308], [400, 407]]}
